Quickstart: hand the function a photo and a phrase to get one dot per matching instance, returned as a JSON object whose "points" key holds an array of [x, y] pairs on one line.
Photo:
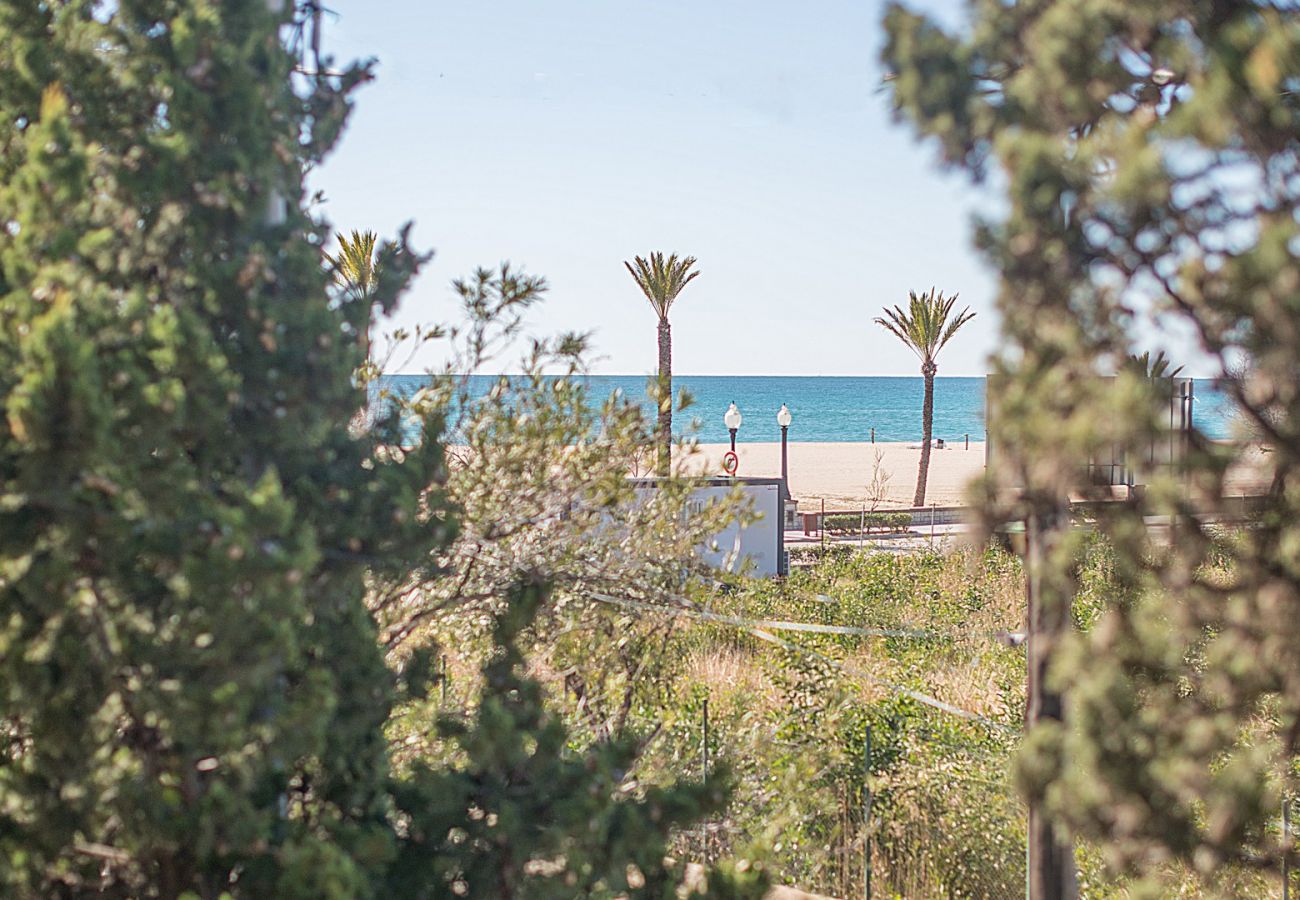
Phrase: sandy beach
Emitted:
{"points": [[840, 472], [1251, 474]]}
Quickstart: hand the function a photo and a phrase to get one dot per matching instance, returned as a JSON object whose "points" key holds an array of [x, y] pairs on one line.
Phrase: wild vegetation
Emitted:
{"points": [[937, 680]]}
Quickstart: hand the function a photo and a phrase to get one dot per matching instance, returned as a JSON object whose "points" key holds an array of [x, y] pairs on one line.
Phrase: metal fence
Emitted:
{"points": [[1118, 467]]}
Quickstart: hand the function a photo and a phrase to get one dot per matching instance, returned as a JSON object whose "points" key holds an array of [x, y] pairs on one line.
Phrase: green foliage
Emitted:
{"points": [[792, 727], [1148, 153], [948, 818], [523, 817], [662, 278], [192, 692], [1153, 367], [951, 821], [925, 327], [353, 269], [353, 264], [867, 523], [539, 466]]}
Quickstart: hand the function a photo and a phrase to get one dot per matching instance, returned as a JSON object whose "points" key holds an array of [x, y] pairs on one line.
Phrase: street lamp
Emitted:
{"points": [[783, 418], [733, 419]]}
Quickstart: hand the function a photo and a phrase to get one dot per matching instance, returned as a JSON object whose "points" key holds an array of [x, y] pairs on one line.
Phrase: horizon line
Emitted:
{"points": [[1193, 376], [724, 375]]}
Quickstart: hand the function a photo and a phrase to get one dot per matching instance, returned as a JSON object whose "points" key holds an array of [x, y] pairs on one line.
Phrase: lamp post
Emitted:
{"points": [[783, 418], [733, 419]]}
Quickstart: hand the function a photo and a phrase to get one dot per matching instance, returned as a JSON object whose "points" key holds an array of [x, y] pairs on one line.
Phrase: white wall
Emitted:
{"points": [[756, 548]]}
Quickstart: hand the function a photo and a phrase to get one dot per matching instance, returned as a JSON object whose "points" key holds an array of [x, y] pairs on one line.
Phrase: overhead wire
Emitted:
{"points": [[765, 634], [685, 609]]}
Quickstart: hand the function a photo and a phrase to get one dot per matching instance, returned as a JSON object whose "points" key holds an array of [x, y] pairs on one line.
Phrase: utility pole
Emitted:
{"points": [[1051, 855]]}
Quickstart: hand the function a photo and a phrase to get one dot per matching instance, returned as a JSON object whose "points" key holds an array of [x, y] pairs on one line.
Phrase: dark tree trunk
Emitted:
{"points": [[1051, 854], [927, 428], [664, 430]]}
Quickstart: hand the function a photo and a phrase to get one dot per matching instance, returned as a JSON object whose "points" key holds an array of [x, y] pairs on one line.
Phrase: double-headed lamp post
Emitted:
{"points": [[783, 418], [733, 419]]}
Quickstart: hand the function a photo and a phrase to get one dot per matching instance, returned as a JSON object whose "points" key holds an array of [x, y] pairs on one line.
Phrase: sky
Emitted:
{"points": [[568, 136]]}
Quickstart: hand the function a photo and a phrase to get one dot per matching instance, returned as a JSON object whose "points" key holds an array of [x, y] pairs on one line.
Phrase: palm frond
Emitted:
{"points": [[1153, 367], [662, 278], [896, 321], [353, 266], [927, 324]]}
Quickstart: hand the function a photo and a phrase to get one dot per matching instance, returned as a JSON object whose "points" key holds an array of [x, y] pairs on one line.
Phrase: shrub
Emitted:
{"points": [[872, 522]]}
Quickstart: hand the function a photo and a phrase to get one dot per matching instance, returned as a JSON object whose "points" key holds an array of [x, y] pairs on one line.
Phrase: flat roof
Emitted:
{"points": [[712, 480]]}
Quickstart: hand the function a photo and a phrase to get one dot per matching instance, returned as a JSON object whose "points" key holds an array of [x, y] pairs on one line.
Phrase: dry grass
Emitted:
{"points": [[971, 685], [725, 670], [735, 679]]}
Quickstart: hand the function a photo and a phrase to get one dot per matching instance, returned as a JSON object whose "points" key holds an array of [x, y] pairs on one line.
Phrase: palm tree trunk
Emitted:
{"points": [[927, 428], [665, 398]]}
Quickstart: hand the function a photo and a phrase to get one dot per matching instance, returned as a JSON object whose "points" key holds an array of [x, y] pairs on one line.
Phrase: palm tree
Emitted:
{"points": [[1153, 367], [353, 267], [925, 326], [661, 280]]}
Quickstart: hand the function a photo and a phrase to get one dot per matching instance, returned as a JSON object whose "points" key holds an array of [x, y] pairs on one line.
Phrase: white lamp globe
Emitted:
{"points": [[733, 417], [783, 418]]}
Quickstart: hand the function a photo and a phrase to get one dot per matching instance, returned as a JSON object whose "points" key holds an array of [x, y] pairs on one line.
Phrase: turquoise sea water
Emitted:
{"points": [[833, 408]]}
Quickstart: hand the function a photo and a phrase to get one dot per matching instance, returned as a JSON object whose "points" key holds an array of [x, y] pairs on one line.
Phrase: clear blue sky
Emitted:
{"points": [[568, 136]]}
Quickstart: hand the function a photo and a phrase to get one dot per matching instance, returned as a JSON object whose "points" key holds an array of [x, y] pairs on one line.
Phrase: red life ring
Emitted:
{"points": [[730, 463]]}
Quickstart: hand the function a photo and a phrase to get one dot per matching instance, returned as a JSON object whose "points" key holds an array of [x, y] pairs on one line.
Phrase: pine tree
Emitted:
{"points": [[1149, 157], [191, 694]]}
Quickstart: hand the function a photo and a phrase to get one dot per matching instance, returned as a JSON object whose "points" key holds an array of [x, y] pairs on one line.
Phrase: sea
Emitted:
{"points": [[831, 409]]}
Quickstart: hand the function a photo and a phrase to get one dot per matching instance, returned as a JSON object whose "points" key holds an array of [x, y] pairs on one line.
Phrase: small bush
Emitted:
{"points": [[875, 522], [811, 553]]}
